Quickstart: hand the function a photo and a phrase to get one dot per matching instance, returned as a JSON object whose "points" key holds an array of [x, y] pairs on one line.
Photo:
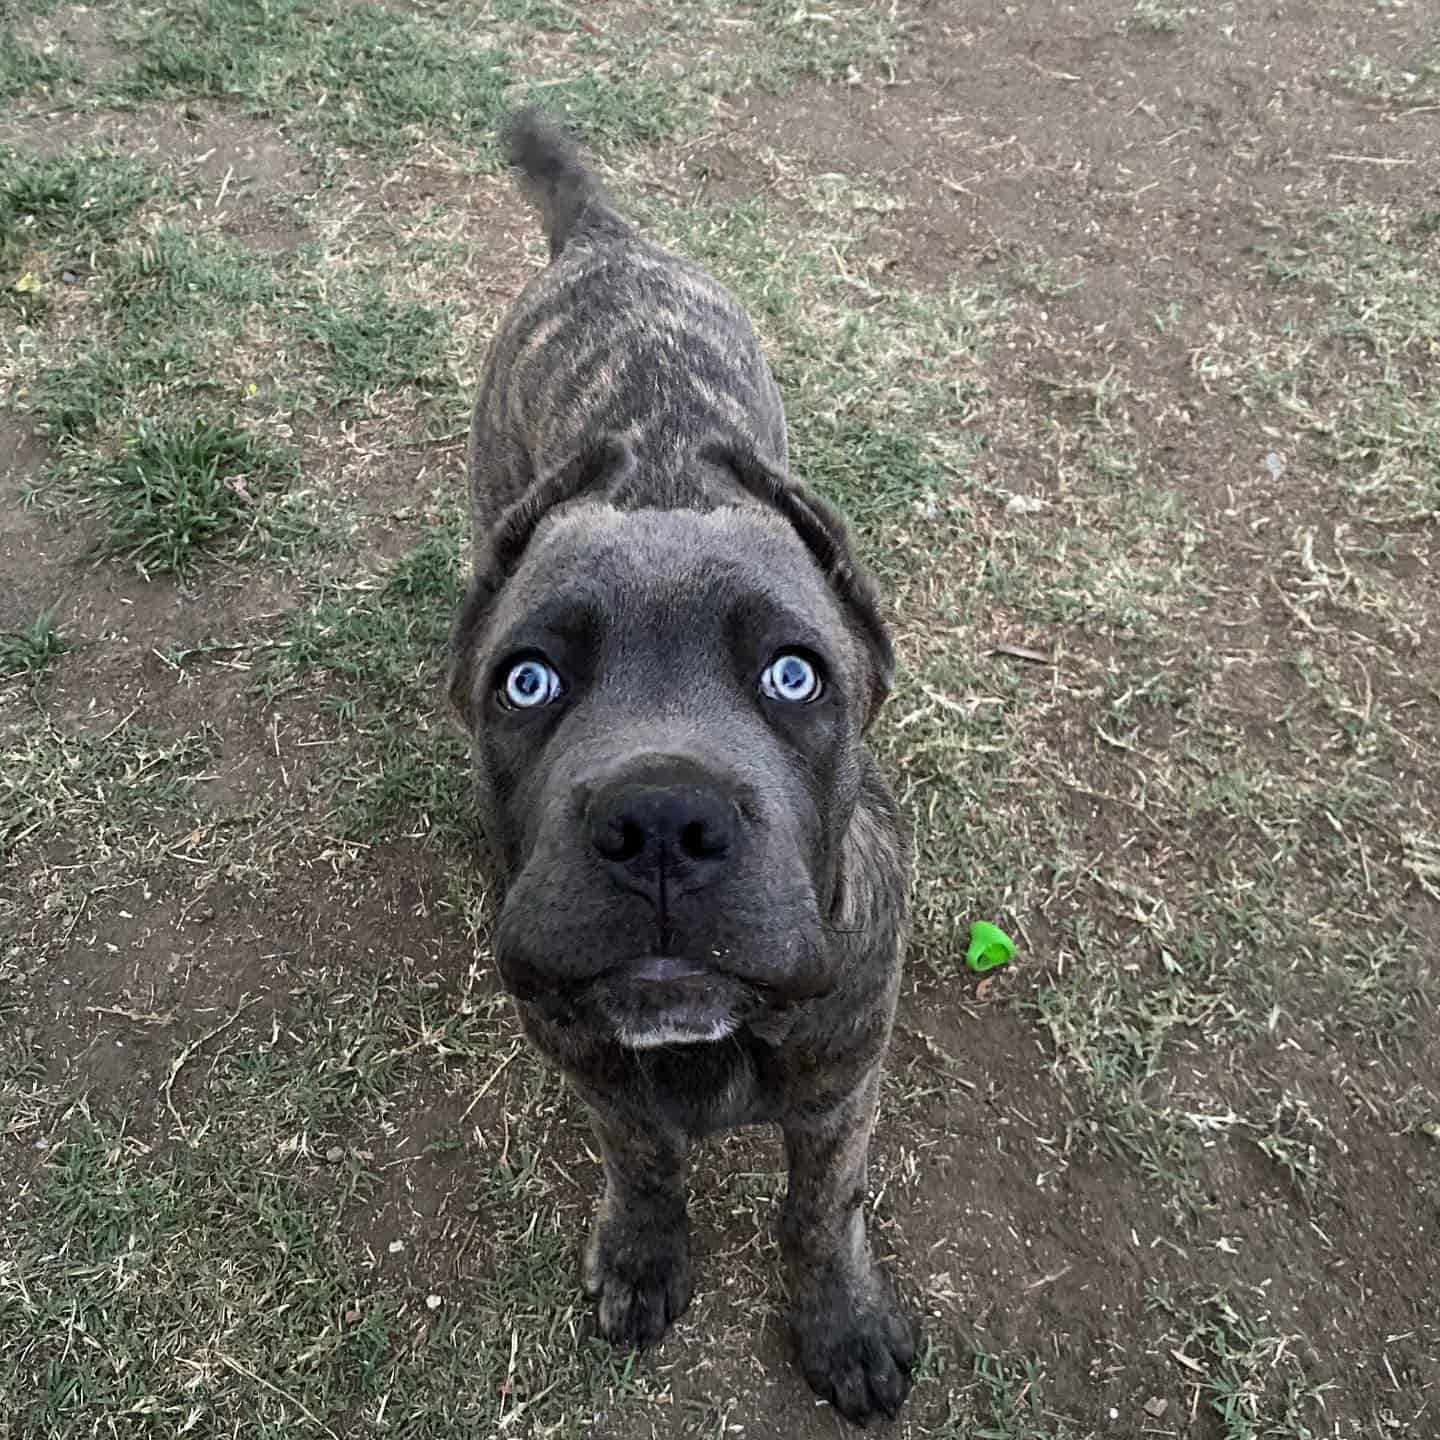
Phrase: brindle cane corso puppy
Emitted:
{"points": [[668, 659]]}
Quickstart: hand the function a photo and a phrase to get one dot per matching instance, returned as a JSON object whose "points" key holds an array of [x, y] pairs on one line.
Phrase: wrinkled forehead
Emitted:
{"points": [[626, 566]]}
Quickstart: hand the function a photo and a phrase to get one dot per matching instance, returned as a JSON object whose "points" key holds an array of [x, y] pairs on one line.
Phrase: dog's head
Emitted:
{"points": [[667, 709]]}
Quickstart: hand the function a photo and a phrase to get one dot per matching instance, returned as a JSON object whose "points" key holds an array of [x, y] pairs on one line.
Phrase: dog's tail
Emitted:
{"points": [[566, 190]]}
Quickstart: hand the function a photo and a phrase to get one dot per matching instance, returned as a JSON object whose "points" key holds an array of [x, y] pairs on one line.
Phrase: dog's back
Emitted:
{"points": [[616, 336]]}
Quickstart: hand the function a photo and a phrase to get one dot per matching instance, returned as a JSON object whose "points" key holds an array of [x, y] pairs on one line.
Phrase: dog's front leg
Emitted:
{"points": [[855, 1346], [637, 1261]]}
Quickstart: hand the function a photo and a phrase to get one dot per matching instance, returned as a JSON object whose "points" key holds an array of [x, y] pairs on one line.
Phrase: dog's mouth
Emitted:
{"points": [[663, 970], [669, 1000]]}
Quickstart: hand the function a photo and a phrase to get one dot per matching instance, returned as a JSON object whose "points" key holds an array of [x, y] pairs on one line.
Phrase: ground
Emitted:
{"points": [[1115, 328]]}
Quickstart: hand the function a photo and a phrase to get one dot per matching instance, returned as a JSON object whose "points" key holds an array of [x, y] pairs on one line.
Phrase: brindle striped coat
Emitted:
{"points": [[638, 539]]}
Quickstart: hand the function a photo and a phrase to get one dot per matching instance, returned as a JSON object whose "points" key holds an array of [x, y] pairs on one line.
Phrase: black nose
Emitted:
{"points": [[661, 834]]}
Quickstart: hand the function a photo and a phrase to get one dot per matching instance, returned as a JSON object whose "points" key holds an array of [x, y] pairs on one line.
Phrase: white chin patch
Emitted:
{"points": [[651, 1037]]}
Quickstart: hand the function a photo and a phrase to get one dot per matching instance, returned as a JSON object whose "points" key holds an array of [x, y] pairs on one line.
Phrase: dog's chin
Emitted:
{"points": [[667, 1002], [675, 1030]]}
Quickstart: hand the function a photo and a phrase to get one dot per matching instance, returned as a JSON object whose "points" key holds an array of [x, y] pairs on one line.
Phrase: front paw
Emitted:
{"points": [[638, 1272], [857, 1352]]}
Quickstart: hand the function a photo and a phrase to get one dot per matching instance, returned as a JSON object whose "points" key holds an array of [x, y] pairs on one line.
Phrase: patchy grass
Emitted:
{"points": [[1164, 595], [172, 270], [183, 315], [32, 650], [844, 42], [382, 76], [369, 76], [1253, 1374], [1356, 393], [181, 493], [1160, 17], [23, 69], [1012, 1393], [154, 1255], [379, 647], [92, 790], [71, 202], [877, 408], [370, 342], [104, 383], [1417, 82]]}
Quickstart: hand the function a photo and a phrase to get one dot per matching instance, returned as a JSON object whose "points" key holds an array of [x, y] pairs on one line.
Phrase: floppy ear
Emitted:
{"points": [[827, 537], [504, 546]]}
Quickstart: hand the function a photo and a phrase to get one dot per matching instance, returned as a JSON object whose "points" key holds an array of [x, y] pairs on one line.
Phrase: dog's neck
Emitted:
{"points": [[673, 468]]}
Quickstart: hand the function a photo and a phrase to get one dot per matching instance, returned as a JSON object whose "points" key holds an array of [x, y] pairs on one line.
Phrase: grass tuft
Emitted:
{"points": [[183, 491], [369, 342], [34, 649], [23, 69], [1161, 17], [75, 201], [1254, 1374]]}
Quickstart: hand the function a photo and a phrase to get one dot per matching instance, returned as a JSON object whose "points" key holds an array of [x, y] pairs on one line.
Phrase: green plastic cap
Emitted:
{"points": [[989, 946]]}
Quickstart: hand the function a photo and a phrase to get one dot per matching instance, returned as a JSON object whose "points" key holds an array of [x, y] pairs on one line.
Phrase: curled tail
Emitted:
{"points": [[566, 190]]}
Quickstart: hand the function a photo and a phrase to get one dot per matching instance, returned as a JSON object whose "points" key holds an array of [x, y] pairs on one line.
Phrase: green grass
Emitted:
{"points": [[830, 43], [877, 414], [380, 649], [172, 270], [181, 493], [1413, 83], [1160, 17], [180, 318], [72, 202], [25, 70], [106, 381], [1254, 1374], [1357, 394], [382, 76], [369, 342], [368, 76], [1012, 1392], [32, 650]]}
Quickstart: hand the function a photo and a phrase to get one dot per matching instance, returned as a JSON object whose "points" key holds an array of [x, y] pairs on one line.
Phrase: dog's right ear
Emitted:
{"points": [[609, 458]]}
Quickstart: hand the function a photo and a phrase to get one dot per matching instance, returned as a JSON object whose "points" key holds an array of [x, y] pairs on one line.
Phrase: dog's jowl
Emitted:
{"points": [[668, 660]]}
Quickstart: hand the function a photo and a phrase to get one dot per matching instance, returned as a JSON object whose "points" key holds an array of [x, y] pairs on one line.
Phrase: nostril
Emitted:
{"points": [[699, 841], [621, 839]]}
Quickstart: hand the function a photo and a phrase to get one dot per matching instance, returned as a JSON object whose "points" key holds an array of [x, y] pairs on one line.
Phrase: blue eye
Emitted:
{"points": [[528, 684], [790, 677]]}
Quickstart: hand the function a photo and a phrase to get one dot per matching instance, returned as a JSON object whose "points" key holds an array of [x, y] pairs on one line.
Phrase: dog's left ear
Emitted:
{"points": [[498, 558], [827, 537]]}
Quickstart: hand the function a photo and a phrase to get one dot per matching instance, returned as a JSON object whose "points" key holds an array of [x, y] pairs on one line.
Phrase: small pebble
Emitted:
{"points": [[335, 1154], [1024, 505]]}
